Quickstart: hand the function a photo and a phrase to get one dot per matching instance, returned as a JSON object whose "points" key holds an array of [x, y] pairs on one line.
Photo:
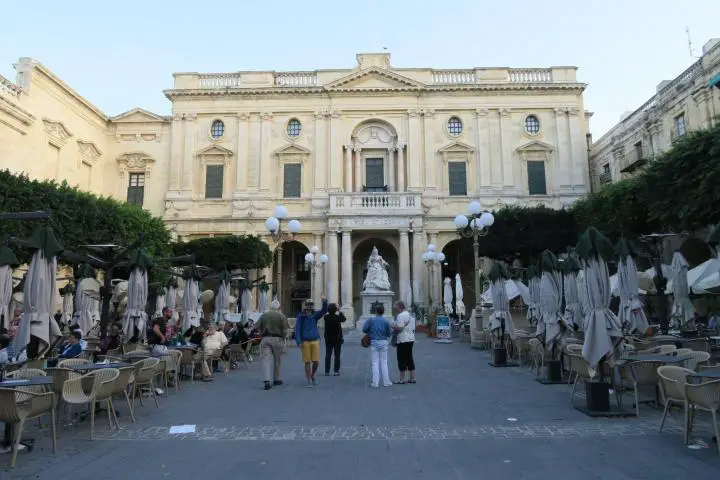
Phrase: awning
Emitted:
{"points": [[714, 81]]}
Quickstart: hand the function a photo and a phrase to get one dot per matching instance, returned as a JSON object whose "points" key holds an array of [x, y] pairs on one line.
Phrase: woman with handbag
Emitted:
{"points": [[404, 337], [333, 338], [377, 329]]}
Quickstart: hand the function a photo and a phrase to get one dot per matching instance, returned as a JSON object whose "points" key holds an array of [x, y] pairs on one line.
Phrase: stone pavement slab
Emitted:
{"points": [[463, 419]]}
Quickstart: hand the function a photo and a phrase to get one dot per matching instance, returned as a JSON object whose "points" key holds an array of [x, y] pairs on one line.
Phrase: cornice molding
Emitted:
{"points": [[137, 161], [16, 112], [89, 152]]}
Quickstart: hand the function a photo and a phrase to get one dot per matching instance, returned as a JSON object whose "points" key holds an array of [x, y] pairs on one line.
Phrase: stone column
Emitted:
{"points": [[347, 170], [404, 264], [188, 158], [496, 178], [254, 152], [176, 153], [506, 145], [346, 286], [436, 273], [562, 151], [579, 175], [401, 168], [335, 172], [241, 164], [317, 289], [333, 267], [430, 163], [419, 244], [391, 170], [358, 169], [267, 170], [319, 169], [483, 164], [415, 152]]}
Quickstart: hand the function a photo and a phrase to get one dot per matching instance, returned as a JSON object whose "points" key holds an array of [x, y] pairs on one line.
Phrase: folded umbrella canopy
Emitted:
{"points": [[68, 303], [631, 313], [160, 301], [573, 311], [501, 320], [447, 296], [37, 321], [135, 315], [222, 298], [682, 307], [192, 309], [459, 304], [171, 291], [263, 299], [603, 332], [551, 299], [8, 261], [533, 313]]}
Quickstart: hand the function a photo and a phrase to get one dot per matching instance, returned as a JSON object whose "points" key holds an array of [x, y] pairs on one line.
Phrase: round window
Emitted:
{"points": [[454, 126], [217, 129], [532, 125], [294, 127]]}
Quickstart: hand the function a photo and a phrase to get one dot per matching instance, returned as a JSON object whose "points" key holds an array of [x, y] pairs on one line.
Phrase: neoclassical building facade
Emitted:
{"points": [[366, 156]]}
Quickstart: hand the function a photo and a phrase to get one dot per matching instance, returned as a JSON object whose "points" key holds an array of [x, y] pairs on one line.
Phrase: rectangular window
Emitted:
{"points": [[214, 181], [292, 180], [375, 174], [680, 129], [606, 168], [639, 151], [136, 189], [537, 184], [457, 178]]}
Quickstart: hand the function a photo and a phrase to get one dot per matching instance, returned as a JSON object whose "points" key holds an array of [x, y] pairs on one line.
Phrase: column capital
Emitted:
{"points": [[177, 117], [504, 112], [482, 112], [243, 115], [573, 111], [414, 113], [346, 232], [320, 114], [429, 113], [404, 231], [348, 147], [266, 115], [335, 114], [400, 145], [391, 149], [560, 111], [357, 149], [190, 117]]}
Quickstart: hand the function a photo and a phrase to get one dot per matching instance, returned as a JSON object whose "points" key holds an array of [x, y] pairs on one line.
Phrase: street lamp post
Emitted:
{"points": [[432, 258], [316, 261], [274, 227], [475, 224]]}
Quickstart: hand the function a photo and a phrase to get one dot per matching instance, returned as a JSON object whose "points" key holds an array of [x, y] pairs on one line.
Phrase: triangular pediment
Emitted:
{"points": [[535, 146], [456, 147], [56, 129], [88, 149], [292, 149], [138, 115], [216, 150], [374, 78]]}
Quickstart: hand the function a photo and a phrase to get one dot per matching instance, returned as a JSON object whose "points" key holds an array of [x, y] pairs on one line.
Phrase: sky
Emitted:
{"points": [[122, 55]]}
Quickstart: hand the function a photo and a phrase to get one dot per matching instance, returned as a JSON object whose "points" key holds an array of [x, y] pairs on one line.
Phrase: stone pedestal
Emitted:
{"points": [[476, 328], [371, 298]]}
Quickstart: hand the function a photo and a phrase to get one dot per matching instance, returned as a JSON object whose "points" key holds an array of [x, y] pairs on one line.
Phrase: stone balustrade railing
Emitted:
{"points": [[219, 80], [530, 75], [511, 75], [296, 79], [375, 203], [451, 77]]}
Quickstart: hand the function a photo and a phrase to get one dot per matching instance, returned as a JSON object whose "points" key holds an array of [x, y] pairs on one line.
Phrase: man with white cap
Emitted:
{"points": [[272, 327]]}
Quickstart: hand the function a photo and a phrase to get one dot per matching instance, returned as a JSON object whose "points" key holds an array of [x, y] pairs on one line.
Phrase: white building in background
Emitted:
{"points": [[366, 156], [689, 102]]}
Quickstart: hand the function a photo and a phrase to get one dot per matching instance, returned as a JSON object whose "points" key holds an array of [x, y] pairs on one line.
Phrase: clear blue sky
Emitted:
{"points": [[122, 55]]}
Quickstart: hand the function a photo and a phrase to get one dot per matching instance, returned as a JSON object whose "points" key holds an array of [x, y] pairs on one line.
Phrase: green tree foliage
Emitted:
{"points": [[78, 217], [244, 252], [525, 232]]}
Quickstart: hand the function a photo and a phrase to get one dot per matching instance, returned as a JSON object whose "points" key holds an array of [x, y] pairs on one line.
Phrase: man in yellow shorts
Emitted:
{"points": [[307, 337]]}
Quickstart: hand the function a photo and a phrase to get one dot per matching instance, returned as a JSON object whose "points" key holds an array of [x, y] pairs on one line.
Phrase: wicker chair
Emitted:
{"points": [[537, 354], [60, 375], [145, 373], [107, 378], [172, 368], [636, 375], [71, 362], [236, 352], [13, 411], [124, 381], [704, 396], [82, 391], [695, 359], [581, 369], [672, 380]]}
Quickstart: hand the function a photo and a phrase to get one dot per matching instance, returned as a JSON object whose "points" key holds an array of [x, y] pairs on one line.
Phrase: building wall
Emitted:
{"points": [[687, 101]]}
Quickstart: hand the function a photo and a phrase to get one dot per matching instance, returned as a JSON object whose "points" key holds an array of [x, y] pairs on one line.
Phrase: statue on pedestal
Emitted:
{"points": [[377, 276]]}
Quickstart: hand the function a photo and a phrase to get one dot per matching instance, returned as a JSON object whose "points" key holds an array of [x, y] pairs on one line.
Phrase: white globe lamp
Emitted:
{"points": [[281, 212], [294, 226], [314, 249], [272, 224], [309, 258], [324, 259], [474, 208], [461, 221], [431, 247], [440, 257]]}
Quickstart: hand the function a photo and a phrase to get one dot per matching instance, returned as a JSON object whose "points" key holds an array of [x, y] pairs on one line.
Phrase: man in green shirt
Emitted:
{"points": [[272, 326]]}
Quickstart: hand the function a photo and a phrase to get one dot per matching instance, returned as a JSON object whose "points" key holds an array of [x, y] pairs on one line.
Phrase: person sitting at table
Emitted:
{"points": [[215, 341], [194, 336], [111, 340], [238, 336], [70, 350], [76, 328], [5, 349]]}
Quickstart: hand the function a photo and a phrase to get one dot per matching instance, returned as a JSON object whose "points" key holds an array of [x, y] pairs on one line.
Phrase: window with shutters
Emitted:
{"points": [[136, 189], [457, 177], [292, 180], [374, 175], [537, 184], [214, 181]]}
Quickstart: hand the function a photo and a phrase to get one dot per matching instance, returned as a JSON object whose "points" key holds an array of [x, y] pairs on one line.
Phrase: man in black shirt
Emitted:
{"points": [[156, 338], [333, 337]]}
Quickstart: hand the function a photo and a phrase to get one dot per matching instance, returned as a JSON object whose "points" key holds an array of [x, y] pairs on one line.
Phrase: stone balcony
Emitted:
{"points": [[374, 204]]}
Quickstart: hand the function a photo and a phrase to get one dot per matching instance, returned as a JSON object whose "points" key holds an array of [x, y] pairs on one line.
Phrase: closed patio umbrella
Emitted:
{"points": [[245, 301], [8, 261], [533, 312], [501, 323], [263, 299], [682, 307], [630, 314], [135, 314], [459, 304], [171, 293], [447, 296], [86, 315], [573, 310], [67, 304], [222, 298], [37, 321], [191, 299], [603, 332], [551, 299], [160, 302]]}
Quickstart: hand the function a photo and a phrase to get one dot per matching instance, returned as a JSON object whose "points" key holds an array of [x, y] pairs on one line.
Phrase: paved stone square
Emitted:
{"points": [[462, 420]]}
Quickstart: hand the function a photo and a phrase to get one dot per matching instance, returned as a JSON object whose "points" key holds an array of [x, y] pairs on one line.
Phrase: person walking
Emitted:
{"points": [[378, 329], [272, 326], [404, 327], [307, 337], [333, 337]]}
